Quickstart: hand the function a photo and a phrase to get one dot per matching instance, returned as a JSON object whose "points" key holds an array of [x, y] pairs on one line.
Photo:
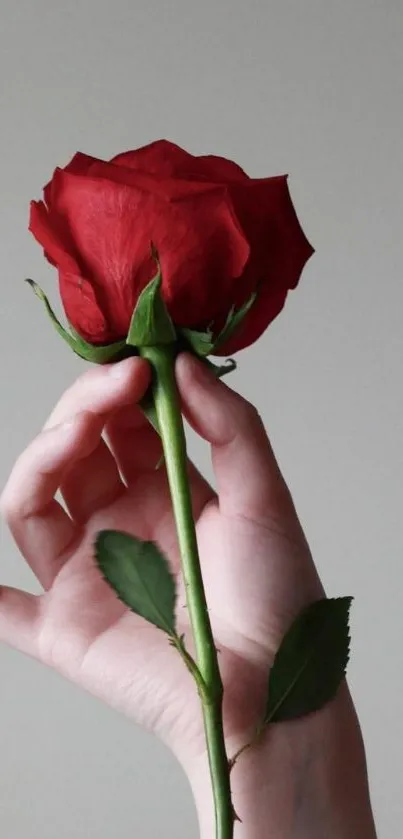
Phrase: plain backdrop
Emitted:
{"points": [[311, 88]]}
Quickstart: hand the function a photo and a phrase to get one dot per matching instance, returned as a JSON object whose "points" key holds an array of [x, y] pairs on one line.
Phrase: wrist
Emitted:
{"points": [[306, 779]]}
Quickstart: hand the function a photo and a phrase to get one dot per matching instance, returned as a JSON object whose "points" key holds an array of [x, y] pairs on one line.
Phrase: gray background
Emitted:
{"points": [[312, 88]]}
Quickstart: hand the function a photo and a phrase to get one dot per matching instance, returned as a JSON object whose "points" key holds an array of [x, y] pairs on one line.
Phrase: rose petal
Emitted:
{"points": [[162, 158], [83, 310], [80, 164], [165, 159], [271, 216], [168, 188], [198, 238], [279, 254], [219, 169], [46, 231]]}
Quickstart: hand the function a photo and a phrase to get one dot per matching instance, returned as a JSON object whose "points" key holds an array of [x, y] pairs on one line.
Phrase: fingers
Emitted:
{"points": [[94, 482], [248, 478], [19, 616], [69, 455], [41, 528], [134, 442], [102, 389]]}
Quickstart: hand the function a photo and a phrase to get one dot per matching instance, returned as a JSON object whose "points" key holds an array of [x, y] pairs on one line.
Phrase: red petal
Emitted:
{"points": [[272, 216], [47, 233], [165, 160], [80, 164], [161, 158], [280, 251], [201, 245], [83, 311], [168, 188], [219, 169], [47, 194]]}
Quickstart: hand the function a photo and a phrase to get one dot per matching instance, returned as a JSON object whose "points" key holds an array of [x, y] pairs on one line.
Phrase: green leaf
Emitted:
{"points": [[311, 661], [151, 323], [234, 319], [89, 352], [140, 575]]}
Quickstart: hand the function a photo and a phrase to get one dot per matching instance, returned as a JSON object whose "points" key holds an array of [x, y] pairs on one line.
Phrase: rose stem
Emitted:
{"points": [[167, 405]]}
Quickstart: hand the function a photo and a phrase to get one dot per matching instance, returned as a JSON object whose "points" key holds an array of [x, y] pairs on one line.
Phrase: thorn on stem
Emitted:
{"points": [[235, 815]]}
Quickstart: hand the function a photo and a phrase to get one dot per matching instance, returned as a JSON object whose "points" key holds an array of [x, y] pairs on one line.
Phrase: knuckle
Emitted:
{"points": [[10, 507], [249, 416], [74, 392], [71, 400]]}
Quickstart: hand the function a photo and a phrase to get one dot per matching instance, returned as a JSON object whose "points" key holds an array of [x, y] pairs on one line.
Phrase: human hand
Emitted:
{"points": [[257, 571]]}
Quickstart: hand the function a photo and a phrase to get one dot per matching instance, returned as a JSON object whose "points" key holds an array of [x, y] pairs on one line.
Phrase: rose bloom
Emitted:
{"points": [[220, 236]]}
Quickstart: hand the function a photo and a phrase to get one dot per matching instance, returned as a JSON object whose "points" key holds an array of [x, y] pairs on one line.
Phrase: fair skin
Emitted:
{"points": [[307, 778]]}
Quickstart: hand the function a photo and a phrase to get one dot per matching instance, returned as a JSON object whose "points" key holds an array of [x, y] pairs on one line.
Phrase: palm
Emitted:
{"points": [[255, 572], [110, 651], [130, 664]]}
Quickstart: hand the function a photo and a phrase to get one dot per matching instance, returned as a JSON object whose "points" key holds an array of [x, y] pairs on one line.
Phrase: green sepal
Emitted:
{"points": [[89, 352], [234, 319], [201, 343], [140, 575], [147, 405], [221, 370], [205, 343], [151, 323], [311, 661]]}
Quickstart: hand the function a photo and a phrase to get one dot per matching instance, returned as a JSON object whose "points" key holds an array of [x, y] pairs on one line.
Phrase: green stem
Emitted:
{"points": [[167, 404]]}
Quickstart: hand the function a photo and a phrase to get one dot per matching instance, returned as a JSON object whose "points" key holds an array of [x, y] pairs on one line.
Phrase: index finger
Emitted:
{"points": [[103, 389]]}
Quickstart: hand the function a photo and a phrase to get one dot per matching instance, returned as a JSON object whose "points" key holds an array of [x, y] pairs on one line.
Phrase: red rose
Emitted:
{"points": [[220, 235]]}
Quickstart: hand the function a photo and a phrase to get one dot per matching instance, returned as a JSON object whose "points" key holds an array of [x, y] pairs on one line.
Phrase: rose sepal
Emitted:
{"points": [[206, 343], [98, 354], [151, 324]]}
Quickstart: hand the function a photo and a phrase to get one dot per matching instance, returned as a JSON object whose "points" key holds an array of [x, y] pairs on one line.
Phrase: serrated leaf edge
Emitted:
{"points": [[169, 630], [278, 705]]}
